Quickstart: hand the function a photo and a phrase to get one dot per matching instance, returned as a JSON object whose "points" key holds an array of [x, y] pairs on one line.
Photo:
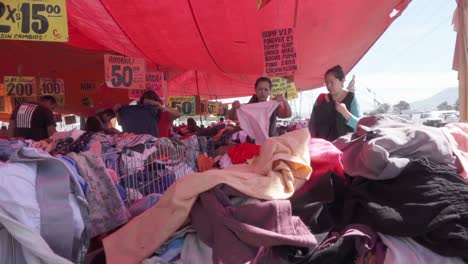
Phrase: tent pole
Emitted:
{"points": [[198, 93]]}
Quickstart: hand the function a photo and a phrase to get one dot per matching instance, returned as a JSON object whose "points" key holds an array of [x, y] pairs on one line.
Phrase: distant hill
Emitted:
{"points": [[450, 95]]}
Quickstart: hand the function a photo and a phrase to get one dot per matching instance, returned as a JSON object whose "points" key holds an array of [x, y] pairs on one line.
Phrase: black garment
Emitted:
{"points": [[32, 121], [140, 119], [325, 122], [427, 201], [272, 131], [342, 252]]}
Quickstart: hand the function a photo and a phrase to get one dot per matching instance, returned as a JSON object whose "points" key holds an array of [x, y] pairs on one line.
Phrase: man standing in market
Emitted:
{"points": [[33, 120]]}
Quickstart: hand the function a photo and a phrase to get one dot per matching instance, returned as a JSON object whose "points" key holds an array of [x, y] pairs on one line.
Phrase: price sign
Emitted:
{"points": [[53, 87], [88, 86], [291, 91], [184, 104], [279, 52], [209, 107], [35, 20], [154, 81], [50, 86], [135, 94], [278, 86], [124, 72], [282, 86], [70, 120], [17, 86]]}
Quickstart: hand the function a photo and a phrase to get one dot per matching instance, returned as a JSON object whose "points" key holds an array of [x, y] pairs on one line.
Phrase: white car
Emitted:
{"points": [[431, 119]]}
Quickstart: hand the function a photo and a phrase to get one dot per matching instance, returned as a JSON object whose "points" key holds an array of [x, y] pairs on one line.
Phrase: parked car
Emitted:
{"points": [[450, 118], [431, 119]]}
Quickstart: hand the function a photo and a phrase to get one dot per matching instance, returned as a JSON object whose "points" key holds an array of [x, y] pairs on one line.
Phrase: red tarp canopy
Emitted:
{"points": [[207, 47]]}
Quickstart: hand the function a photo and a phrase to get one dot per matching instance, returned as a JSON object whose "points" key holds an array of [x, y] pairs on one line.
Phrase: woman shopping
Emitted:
{"points": [[167, 115], [259, 113], [336, 113]]}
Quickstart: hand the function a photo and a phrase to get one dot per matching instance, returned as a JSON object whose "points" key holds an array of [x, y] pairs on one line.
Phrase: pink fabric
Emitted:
{"points": [[458, 137], [254, 119], [324, 157]]}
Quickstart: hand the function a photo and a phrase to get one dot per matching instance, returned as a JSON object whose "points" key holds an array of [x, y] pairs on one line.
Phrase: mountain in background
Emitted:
{"points": [[450, 95]]}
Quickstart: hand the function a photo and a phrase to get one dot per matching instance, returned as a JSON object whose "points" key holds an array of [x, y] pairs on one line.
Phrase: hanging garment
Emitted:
{"points": [[281, 168], [255, 119], [106, 209], [406, 250], [140, 119], [236, 233], [383, 145]]}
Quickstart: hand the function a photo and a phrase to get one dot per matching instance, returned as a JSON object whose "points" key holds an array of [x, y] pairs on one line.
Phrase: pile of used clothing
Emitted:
{"points": [[392, 192]]}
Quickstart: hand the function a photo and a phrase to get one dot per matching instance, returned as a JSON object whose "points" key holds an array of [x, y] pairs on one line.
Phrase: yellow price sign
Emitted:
{"points": [[278, 86], [186, 105], [35, 20], [209, 107], [282, 86], [19, 86], [291, 91]]}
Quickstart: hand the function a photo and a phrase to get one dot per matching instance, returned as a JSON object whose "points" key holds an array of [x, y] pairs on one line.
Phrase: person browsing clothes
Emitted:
{"points": [[262, 93], [33, 120], [336, 113]]}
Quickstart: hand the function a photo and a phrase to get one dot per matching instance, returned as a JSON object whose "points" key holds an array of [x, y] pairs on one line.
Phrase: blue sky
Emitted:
{"points": [[411, 61]]}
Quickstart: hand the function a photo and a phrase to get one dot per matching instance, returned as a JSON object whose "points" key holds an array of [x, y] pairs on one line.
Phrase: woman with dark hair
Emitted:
{"points": [[105, 118], [262, 93], [166, 115], [93, 124], [336, 113]]}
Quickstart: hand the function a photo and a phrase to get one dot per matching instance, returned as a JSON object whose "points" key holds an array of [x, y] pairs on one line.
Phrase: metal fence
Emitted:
{"points": [[148, 169]]}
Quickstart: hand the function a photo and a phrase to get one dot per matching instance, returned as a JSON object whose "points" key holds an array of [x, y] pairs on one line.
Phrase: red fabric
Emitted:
{"points": [[242, 152], [324, 157], [205, 47], [183, 34], [164, 125]]}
